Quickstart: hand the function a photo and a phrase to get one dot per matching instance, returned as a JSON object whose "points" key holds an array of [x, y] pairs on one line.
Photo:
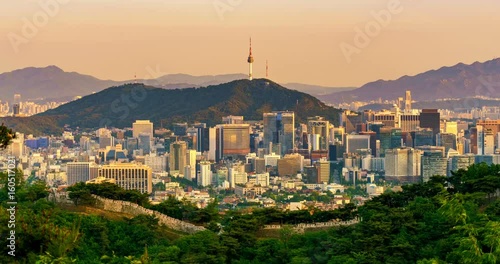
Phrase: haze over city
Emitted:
{"points": [[301, 39]]}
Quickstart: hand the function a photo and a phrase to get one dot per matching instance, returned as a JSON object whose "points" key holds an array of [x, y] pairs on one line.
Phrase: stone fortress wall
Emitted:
{"points": [[135, 209]]}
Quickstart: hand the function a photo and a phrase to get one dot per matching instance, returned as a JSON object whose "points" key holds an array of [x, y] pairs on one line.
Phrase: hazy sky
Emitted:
{"points": [[302, 39]]}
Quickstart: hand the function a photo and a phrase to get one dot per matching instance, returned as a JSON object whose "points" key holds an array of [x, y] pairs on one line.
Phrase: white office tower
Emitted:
{"points": [[205, 174], [191, 160]]}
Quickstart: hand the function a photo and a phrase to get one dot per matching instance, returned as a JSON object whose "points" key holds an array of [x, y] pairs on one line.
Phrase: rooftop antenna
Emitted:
{"points": [[267, 70]]}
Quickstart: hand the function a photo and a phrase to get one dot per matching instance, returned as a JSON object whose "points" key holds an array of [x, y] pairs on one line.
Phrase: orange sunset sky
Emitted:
{"points": [[114, 39]]}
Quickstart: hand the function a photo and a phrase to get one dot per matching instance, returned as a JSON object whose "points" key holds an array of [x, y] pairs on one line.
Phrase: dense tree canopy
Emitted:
{"points": [[445, 220]]}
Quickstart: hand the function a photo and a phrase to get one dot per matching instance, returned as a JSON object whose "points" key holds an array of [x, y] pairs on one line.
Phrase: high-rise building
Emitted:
{"points": [[205, 174], [180, 129], [485, 141], [142, 126], [423, 137], [129, 176], [323, 167], [261, 179], [156, 163], [433, 163], [390, 138], [387, 118], [451, 127], [105, 138], [191, 160], [357, 142], [447, 140], [279, 128], [85, 143], [144, 142], [318, 129], [402, 164], [431, 118], [290, 165], [16, 148], [16, 110], [202, 137], [178, 152], [409, 121], [351, 119], [408, 101], [460, 162], [236, 139], [81, 172], [493, 125]]}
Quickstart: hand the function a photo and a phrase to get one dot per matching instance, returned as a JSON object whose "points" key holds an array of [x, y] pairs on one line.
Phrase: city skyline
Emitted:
{"points": [[303, 43]]}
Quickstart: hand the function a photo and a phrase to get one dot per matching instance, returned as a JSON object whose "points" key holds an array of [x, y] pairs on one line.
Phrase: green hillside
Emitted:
{"points": [[120, 106]]}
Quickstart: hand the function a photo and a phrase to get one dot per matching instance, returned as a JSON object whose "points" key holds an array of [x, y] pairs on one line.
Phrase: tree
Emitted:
{"points": [[37, 190], [6, 136]]}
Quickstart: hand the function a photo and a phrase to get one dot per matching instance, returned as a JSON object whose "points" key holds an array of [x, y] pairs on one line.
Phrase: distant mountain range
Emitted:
{"points": [[120, 106], [53, 84], [459, 81], [462, 104]]}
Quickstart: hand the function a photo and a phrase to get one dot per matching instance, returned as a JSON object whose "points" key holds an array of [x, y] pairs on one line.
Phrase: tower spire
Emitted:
{"points": [[250, 62]]}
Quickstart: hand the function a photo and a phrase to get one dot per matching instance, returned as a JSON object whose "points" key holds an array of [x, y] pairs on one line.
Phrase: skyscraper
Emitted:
{"points": [[205, 174], [485, 141], [493, 125], [356, 142], [279, 128], [409, 122], [430, 118], [323, 167], [191, 160], [105, 138], [202, 137], [236, 139], [178, 152], [142, 126], [447, 140], [433, 163], [145, 142], [408, 101], [318, 129], [402, 164]]}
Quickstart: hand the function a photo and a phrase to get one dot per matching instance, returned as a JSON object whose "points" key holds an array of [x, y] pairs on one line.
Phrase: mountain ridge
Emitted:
{"points": [[120, 106], [52, 82], [457, 81]]}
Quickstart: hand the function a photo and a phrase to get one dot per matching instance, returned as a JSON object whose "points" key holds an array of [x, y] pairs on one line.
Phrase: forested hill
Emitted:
{"points": [[120, 106]]}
